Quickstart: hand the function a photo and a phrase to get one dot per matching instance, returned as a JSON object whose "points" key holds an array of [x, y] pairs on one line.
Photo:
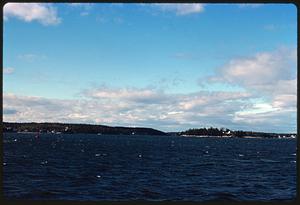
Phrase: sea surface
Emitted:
{"points": [[86, 167]]}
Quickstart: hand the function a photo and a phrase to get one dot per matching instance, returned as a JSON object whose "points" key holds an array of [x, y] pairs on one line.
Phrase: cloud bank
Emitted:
{"points": [[139, 107]]}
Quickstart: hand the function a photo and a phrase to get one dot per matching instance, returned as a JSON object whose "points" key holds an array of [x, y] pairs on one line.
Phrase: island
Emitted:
{"points": [[224, 132]]}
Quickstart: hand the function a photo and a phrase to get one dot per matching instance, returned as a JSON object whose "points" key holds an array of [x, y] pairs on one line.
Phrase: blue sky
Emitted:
{"points": [[167, 66]]}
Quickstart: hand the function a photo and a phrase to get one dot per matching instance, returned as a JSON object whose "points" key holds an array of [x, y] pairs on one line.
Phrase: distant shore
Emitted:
{"points": [[67, 128], [246, 137]]}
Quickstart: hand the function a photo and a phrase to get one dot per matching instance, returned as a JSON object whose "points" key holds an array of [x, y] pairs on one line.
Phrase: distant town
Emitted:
{"points": [[66, 128]]}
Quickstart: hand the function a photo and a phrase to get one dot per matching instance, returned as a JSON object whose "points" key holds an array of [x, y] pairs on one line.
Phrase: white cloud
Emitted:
{"points": [[76, 4], [126, 94], [28, 12], [8, 70], [270, 76], [29, 57], [272, 120], [261, 72], [86, 7], [285, 102], [181, 8], [249, 5]]}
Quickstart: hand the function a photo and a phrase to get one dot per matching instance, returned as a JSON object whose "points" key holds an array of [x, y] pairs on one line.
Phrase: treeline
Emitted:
{"points": [[68, 128], [227, 132], [77, 128], [261, 134], [207, 132]]}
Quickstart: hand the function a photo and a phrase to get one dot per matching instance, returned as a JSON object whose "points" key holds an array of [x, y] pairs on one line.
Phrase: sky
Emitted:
{"points": [[171, 67]]}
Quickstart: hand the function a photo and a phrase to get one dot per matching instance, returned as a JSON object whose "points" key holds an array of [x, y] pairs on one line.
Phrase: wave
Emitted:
{"points": [[269, 160]]}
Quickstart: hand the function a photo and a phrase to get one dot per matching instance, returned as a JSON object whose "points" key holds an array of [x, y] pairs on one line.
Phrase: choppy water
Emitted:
{"points": [[156, 168]]}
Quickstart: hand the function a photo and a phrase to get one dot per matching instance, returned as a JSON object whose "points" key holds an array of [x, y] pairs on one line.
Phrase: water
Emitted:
{"points": [[154, 168]]}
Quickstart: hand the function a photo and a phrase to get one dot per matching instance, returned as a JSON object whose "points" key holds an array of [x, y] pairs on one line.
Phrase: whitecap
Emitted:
{"points": [[4, 163], [293, 154], [140, 155], [293, 161], [268, 160], [44, 162], [98, 176], [241, 155], [97, 155]]}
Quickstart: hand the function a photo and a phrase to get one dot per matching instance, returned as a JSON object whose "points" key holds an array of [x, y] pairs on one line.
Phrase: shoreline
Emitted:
{"points": [[69, 128], [185, 136]]}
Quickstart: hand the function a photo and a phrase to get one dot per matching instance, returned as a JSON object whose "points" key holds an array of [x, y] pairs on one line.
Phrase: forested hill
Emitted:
{"points": [[77, 128]]}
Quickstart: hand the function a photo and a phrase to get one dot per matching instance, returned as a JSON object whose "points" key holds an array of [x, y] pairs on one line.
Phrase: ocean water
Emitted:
{"points": [[85, 167]]}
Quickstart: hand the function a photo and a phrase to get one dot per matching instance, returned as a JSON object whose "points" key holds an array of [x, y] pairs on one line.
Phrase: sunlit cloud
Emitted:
{"points": [[270, 76], [42, 12], [260, 70]]}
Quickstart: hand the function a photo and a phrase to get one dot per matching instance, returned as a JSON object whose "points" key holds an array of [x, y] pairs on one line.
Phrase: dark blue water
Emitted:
{"points": [[91, 167]]}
